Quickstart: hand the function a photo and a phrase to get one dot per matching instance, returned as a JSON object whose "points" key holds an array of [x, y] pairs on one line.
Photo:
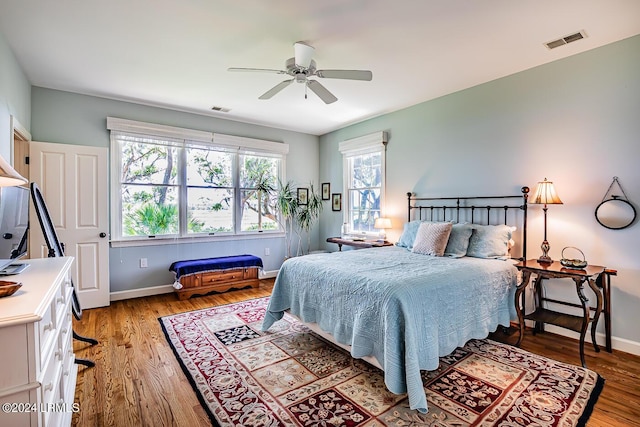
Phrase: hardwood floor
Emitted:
{"points": [[137, 380]]}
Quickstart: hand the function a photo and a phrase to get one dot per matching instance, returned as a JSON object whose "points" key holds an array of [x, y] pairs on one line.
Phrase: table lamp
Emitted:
{"points": [[8, 175], [382, 224], [545, 194]]}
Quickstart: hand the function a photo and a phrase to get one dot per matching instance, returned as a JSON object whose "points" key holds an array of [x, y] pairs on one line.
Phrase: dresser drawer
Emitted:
{"points": [[220, 277], [50, 385], [47, 332], [69, 374]]}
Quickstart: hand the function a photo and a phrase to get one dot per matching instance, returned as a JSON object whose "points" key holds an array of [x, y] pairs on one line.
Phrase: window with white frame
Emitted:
{"points": [[173, 183], [364, 182]]}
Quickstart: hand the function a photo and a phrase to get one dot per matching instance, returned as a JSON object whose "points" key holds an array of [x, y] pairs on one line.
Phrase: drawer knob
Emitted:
{"points": [[59, 354], [48, 326], [48, 387]]}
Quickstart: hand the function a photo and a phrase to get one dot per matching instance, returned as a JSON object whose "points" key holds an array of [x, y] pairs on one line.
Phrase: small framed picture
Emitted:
{"points": [[303, 196], [326, 191], [336, 203]]}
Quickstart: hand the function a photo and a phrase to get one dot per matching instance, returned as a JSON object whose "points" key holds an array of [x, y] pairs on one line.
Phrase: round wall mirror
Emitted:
{"points": [[615, 213]]}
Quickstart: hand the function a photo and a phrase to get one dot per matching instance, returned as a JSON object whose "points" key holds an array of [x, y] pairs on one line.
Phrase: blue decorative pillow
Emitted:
{"points": [[490, 241], [408, 235], [458, 240]]}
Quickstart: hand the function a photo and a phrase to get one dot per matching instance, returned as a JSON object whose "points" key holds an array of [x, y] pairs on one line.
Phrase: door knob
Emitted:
{"points": [[103, 234]]}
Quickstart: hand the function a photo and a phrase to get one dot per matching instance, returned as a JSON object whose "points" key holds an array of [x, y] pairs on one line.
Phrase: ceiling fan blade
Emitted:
{"points": [[345, 74], [303, 54], [321, 91], [263, 70], [274, 90]]}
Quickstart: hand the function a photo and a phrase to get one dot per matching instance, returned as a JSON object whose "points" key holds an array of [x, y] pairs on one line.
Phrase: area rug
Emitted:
{"points": [[290, 376]]}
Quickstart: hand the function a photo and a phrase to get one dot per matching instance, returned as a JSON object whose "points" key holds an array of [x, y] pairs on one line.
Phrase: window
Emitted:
{"points": [[199, 185], [364, 173]]}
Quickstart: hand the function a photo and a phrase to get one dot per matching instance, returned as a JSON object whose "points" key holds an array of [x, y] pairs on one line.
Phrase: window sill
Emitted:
{"points": [[204, 239]]}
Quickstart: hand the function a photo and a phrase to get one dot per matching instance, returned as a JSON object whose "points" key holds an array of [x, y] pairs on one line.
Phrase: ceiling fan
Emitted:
{"points": [[301, 67]]}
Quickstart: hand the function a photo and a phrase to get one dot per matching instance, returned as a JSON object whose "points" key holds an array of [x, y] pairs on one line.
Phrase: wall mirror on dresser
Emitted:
{"points": [[615, 212]]}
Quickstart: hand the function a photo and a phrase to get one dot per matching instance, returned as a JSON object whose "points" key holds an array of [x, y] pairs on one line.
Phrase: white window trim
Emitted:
{"points": [[373, 142], [234, 143]]}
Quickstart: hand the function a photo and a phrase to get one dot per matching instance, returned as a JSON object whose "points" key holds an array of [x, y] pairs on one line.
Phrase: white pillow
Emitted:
{"points": [[490, 241], [432, 238]]}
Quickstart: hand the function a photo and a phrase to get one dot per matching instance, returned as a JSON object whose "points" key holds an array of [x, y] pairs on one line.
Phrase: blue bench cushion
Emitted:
{"points": [[193, 266]]}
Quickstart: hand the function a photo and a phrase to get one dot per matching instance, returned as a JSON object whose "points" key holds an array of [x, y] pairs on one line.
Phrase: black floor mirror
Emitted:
{"points": [[56, 249]]}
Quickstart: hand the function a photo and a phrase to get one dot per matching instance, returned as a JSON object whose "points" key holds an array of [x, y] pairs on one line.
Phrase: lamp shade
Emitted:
{"points": [[382, 223], [8, 175], [545, 194]]}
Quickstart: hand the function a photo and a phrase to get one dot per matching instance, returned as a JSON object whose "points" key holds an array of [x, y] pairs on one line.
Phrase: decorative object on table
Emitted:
{"points": [[575, 263], [303, 196], [336, 202], [8, 288], [615, 212], [382, 224], [293, 377], [545, 194], [326, 191]]}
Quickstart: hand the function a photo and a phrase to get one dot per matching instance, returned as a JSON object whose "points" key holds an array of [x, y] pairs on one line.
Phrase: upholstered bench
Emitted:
{"points": [[201, 276]]}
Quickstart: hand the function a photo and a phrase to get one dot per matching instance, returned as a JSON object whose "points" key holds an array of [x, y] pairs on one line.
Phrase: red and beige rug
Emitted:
{"points": [[291, 377]]}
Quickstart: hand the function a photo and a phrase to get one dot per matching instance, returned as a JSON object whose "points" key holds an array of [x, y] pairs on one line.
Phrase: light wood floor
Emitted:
{"points": [[137, 380]]}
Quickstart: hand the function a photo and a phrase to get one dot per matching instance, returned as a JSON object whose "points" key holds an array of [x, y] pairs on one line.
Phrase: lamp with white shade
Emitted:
{"points": [[382, 224], [545, 194], [8, 175]]}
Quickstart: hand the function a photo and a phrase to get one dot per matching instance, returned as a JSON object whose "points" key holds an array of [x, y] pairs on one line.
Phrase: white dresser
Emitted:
{"points": [[37, 364]]}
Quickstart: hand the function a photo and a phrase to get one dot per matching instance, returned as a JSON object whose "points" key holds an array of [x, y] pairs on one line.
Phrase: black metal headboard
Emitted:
{"points": [[476, 210]]}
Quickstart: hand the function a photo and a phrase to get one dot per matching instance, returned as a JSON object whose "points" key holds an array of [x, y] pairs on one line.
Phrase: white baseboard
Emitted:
{"points": [[166, 289], [621, 344], [142, 292]]}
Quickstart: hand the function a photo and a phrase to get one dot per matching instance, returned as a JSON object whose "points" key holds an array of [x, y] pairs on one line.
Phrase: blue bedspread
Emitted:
{"points": [[183, 268], [404, 309]]}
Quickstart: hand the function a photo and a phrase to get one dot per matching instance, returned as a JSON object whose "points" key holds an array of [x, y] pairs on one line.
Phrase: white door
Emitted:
{"points": [[73, 182]]}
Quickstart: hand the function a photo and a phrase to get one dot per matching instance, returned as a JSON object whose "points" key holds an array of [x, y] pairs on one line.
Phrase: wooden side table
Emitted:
{"points": [[358, 244], [591, 275]]}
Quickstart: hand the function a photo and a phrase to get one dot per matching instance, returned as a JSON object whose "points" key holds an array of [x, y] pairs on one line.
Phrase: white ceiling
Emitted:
{"points": [[175, 53]]}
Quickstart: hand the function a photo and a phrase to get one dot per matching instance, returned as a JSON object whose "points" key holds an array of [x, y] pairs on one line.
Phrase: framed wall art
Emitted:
{"points": [[336, 202], [303, 196], [326, 191]]}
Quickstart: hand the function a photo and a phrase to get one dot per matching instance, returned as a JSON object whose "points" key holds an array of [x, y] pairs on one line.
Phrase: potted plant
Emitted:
{"points": [[308, 214], [287, 204], [296, 217]]}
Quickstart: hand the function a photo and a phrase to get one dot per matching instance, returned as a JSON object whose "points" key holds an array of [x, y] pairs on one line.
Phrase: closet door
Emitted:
{"points": [[73, 181]]}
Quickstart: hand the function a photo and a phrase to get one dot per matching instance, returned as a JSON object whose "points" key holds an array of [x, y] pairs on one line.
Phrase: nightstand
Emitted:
{"points": [[593, 275], [358, 244]]}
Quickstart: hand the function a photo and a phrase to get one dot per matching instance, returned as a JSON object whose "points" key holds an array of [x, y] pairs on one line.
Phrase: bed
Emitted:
{"points": [[402, 308]]}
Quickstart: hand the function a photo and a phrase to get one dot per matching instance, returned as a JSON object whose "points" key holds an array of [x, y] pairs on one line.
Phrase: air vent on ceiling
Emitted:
{"points": [[566, 40], [221, 109]]}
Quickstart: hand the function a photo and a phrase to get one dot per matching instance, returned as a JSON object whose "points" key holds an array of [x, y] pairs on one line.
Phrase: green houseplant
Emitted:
{"points": [[308, 214], [296, 218]]}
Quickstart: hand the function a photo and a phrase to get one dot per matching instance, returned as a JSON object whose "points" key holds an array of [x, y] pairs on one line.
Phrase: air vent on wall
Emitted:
{"points": [[221, 109], [566, 40]]}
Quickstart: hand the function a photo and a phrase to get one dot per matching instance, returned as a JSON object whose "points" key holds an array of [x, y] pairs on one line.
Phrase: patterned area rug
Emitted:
{"points": [[291, 377]]}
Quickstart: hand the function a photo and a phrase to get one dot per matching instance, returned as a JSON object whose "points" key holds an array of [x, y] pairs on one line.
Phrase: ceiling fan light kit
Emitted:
{"points": [[301, 67]]}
